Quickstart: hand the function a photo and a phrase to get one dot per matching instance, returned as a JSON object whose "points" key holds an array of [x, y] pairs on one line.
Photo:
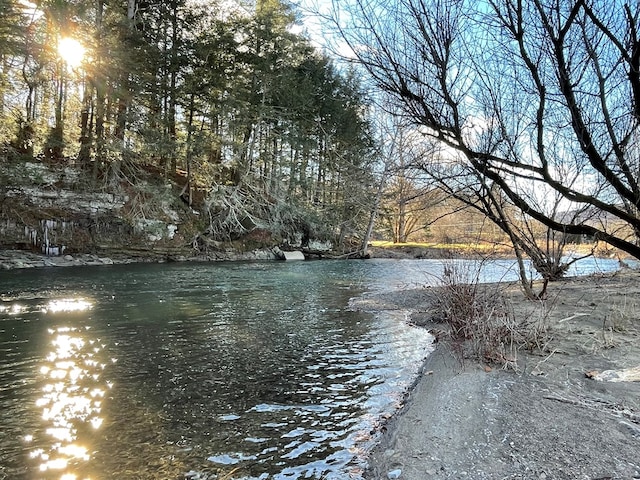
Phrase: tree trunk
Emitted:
{"points": [[188, 188], [55, 143], [173, 75], [100, 95], [84, 156], [123, 103], [401, 235], [374, 212]]}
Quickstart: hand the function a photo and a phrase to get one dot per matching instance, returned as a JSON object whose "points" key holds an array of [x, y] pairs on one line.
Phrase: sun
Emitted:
{"points": [[71, 51]]}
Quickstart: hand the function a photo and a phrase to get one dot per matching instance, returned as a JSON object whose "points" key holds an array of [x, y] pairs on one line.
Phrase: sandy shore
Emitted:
{"points": [[548, 419]]}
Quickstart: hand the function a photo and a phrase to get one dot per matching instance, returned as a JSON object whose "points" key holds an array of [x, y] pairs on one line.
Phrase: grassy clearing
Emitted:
{"points": [[463, 249]]}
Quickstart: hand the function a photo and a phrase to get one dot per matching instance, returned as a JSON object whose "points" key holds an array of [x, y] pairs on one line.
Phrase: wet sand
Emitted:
{"points": [[547, 419]]}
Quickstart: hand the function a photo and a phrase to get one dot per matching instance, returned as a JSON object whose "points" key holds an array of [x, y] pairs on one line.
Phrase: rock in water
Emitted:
{"points": [[295, 255]]}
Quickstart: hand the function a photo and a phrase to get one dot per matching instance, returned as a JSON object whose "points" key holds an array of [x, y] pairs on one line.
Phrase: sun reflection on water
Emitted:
{"points": [[68, 305], [15, 309], [71, 397]]}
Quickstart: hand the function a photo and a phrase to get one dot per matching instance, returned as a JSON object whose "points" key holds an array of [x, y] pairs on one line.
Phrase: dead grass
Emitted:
{"points": [[476, 248], [481, 322], [599, 249]]}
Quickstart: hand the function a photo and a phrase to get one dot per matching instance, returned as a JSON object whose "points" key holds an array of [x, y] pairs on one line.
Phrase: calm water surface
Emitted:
{"points": [[203, 371]]}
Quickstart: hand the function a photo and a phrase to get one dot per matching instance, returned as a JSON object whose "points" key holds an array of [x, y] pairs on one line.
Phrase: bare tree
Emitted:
{"points": [[540, 100], [529, 238], [400, 201]]}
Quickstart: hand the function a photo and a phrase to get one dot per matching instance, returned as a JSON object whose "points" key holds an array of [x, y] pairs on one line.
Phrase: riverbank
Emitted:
{"points": [[17, 259], [545, 420], [557, 416], [23, 259]]}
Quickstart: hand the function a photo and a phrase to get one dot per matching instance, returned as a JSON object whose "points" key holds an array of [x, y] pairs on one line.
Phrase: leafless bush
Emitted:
{"points": [[232, 211], [482, 324]]}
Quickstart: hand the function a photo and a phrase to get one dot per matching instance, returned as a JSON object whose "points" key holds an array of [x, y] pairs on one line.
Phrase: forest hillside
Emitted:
{"points": [[176, 127]]}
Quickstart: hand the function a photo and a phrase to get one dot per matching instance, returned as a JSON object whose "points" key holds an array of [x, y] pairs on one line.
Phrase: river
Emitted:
{"points": [[203, 371]]}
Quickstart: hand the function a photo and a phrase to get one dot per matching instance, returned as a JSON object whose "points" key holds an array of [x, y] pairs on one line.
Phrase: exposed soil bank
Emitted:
{"points": [[548, 420]]}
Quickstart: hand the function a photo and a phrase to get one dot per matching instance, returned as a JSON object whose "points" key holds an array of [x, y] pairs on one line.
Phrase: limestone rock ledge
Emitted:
{"points": [[49, 217]]}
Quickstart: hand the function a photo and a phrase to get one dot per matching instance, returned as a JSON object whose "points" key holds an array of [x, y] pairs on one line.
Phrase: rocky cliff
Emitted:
{"points": [[47, 209]]}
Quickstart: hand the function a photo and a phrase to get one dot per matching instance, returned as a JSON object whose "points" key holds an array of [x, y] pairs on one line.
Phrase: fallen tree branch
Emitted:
{"points": [[616, 409], [626, 375]]}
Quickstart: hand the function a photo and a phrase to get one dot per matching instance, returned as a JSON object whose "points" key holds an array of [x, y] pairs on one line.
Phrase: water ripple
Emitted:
{"points": [[200, 371]]}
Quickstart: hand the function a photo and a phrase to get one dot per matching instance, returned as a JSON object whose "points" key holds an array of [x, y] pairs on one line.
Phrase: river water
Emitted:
{"points": [[203, 371]]}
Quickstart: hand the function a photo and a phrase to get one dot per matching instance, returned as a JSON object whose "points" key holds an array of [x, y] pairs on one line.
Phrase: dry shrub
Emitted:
{"points": [[482, 324]]}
